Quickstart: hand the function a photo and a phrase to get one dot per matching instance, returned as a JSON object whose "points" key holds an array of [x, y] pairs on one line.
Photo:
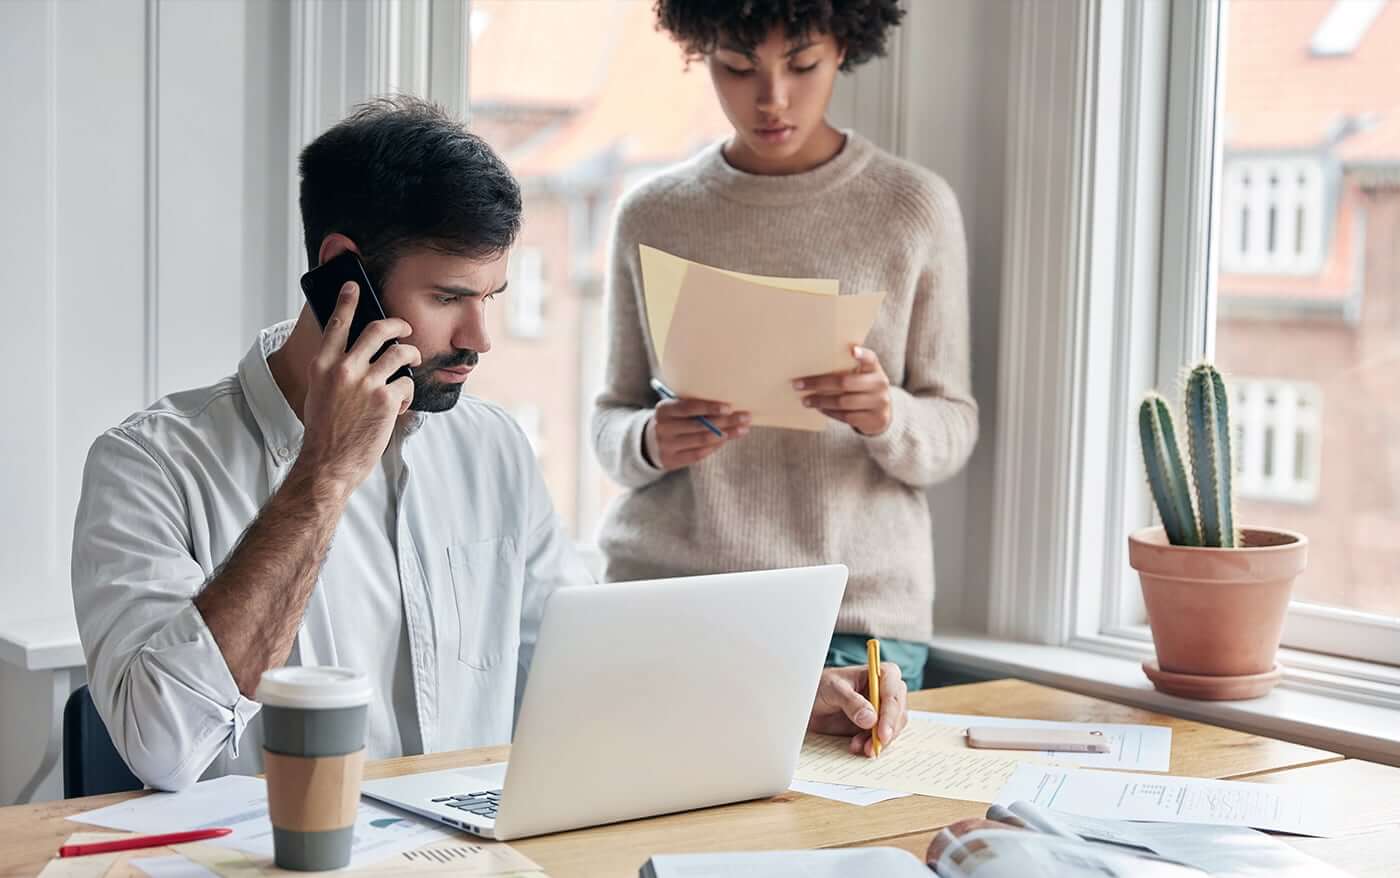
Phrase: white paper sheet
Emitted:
{"points": [[861, 796], [240, 803], [459, 859], [1297, 809], [1132, 747], [172, 866], [1008, 853], [89, 866]]}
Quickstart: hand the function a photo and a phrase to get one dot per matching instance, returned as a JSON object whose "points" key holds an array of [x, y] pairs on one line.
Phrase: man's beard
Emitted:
{"points": [[430, 395]]}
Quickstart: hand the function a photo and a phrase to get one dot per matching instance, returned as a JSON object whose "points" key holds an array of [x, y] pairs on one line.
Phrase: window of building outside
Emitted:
{"points": [[1278, 437], [583, 99], [526, 293], [527, 415], [1272, 215], [1308, 325]]}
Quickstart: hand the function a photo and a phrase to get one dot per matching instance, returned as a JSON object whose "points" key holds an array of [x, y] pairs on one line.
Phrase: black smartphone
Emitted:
{"points": [[321, 286]]}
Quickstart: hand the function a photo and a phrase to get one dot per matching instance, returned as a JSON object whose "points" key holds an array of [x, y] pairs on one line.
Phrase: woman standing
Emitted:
{"points": [[790, 195]]}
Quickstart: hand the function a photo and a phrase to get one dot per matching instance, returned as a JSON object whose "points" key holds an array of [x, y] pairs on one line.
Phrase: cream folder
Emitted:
{"points": [[662, 274], [744, 342]]}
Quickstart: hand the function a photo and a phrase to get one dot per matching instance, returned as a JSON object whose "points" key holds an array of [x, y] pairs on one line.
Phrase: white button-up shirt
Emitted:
{"points": [[470, 531]]}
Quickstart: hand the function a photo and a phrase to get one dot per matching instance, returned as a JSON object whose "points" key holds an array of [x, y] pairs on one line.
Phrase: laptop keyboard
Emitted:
{"points": [[482, 804]]}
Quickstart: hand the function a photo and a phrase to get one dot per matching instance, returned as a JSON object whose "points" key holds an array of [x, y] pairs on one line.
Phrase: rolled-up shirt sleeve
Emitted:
{"points": [[156, 674]]}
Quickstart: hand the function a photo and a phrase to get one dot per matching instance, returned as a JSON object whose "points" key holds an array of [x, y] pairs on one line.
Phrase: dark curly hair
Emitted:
{"points": [[860, 27]]}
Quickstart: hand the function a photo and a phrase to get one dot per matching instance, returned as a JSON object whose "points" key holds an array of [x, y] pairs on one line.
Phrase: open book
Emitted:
{"points": [[1015, 853], [1051, 844], [1066, 844], [1010, 853]]}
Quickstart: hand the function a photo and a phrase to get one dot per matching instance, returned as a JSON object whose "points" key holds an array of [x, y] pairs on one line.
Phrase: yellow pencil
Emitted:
{"points": [[872, 650]]}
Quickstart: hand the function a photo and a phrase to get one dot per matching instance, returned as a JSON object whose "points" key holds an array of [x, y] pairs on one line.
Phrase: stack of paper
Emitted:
{"points": [[1234, 851], [743, 339], [1131, 746], [240, 803], [1296, 809], [387, 842], [851, 795], [1221, 851], [928, 758], [159, 862]]}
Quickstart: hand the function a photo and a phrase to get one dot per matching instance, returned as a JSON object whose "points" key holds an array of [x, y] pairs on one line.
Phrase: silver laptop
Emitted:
{"points": [[647, 698]]}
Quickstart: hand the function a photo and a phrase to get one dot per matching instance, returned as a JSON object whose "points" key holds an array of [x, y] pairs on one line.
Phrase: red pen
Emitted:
{"points": [[140, 841]]}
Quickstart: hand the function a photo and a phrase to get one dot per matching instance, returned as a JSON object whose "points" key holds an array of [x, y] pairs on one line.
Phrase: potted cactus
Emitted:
{"points": [[1216, 593]]}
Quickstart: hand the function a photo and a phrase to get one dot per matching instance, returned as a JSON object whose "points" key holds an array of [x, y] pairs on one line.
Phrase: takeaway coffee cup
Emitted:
{"points": [[313, 723]]}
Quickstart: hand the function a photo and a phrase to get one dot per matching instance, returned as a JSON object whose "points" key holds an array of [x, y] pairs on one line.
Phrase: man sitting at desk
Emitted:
{"points": [[203, 551]]}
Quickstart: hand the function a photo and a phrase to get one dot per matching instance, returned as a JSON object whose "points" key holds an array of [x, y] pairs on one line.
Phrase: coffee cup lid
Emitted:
{"points": [[313, 688]]}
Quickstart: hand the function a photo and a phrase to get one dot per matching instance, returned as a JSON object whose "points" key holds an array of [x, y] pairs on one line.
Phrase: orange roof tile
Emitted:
{"points": [[1279, 95], [545, 53], [1379, 143]]}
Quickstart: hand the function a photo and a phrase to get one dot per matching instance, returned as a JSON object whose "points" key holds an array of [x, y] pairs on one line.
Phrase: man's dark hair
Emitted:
{"points": [[400, 173], [861, 27]]}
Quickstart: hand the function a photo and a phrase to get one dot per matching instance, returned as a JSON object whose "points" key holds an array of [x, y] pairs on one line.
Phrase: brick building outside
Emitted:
{"points": [[1308, 326], [583, 98]]}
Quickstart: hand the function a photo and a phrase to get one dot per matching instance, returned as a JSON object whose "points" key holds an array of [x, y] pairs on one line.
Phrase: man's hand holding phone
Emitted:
{"points": [[351, 406]]}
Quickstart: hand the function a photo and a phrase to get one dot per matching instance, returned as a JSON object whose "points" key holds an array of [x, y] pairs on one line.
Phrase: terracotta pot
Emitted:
{"points": [[1217, 612]]}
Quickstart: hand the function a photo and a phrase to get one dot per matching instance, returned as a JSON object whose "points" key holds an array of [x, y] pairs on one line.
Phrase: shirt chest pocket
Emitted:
{"points": [[487, 576]]}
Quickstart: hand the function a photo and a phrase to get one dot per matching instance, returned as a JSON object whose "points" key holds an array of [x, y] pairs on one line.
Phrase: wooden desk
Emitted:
{"points": [[29, 835]]}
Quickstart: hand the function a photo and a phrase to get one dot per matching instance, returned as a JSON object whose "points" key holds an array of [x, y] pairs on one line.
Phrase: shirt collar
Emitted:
{"points": [[282, 431]]}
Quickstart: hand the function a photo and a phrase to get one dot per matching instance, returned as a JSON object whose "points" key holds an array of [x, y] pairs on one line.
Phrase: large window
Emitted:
{"points": [[583, 98], [1271, 247], [1308, 295]]}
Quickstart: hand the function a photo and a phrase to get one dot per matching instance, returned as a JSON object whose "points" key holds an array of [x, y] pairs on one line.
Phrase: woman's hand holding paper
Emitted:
{"points": [[860, 398], [675, 438]]}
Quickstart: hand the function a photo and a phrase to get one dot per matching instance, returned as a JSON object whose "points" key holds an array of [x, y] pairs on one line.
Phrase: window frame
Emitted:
{"points": [[342, 53], [1196, 62]]}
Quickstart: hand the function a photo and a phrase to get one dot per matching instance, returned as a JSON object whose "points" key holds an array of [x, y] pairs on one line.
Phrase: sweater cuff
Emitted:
{"points": [[896, 444], [638, 471]]}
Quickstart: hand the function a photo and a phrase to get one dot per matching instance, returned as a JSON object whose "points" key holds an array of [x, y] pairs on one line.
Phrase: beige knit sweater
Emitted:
{"points": [[786, 498]]}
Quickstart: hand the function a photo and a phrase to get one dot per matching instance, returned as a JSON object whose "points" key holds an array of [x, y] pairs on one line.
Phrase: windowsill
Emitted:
{"points": [[1361, 727], [1345, 679]]}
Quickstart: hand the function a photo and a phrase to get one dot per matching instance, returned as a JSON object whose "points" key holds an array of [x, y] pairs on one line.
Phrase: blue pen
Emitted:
{"points": [[665, 393]]}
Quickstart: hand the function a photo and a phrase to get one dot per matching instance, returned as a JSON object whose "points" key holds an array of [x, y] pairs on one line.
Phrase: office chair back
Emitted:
{"points": [[91, 764]]}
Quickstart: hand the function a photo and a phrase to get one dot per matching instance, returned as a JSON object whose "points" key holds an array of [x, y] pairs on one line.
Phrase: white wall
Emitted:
{"points": [[121, 285], [955, 96], [949, 113]]}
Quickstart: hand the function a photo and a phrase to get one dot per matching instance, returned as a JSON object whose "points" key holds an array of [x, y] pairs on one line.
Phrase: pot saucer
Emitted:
{"points": [[1210, 687]]}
